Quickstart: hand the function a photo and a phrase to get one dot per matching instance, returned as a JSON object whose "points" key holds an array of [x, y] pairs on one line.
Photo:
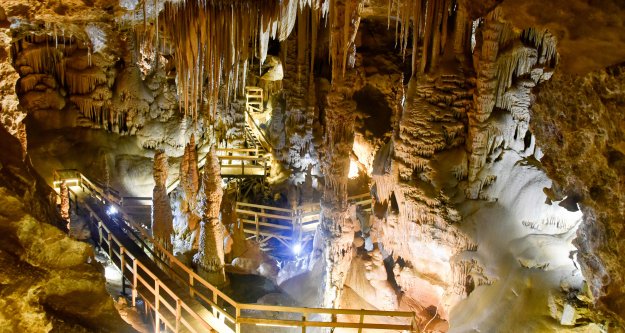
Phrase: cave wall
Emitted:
{"points": [[48, 281], [580, 123]]}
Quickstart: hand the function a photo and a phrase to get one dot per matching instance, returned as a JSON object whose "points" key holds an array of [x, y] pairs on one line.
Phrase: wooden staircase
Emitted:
{"points": [[254, 99]]}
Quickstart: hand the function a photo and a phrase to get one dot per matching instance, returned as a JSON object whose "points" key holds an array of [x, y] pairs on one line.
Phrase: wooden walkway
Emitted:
{"points": [[243, 162], [180, 299]]}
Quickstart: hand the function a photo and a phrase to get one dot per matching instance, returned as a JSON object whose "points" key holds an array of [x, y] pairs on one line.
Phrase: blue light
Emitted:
{"points": [[111, 210], [297, 248]]}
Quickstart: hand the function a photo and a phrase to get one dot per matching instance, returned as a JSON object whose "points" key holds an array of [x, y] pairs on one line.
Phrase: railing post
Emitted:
{"points": [[257, 227], [100, 232], [215, 313], [109, 238], [157, 306], [134, 282], [123, 267], [191, 284], [362, 320], [237, 315], [303, 323], [178, 314]]}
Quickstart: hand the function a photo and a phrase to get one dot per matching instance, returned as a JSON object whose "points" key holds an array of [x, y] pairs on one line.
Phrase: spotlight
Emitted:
{"points": [[111, 210], [297, 248]]}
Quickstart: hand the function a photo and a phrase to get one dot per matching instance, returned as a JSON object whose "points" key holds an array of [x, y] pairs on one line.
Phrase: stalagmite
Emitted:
{"points": [[65, 203], [189, 173], [162, 225], [210, 257], [190, 185], [21, 135]]}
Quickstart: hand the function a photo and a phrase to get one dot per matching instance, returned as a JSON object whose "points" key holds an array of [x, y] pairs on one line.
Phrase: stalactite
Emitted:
{"points": [[344, 18], [430, 20], [84, 82], [209, 43]]}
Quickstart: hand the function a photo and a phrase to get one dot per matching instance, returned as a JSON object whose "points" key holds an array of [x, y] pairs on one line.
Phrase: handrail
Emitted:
{"points": [[224, 154], [263, 139], [154, 289], [217, 314]]}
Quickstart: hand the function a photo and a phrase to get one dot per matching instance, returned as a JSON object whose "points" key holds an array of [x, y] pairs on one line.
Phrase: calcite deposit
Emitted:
{"points": [[460, 160]]}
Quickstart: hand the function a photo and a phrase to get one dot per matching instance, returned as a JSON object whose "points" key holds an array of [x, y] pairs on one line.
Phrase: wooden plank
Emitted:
{"points": [[241, 158], [270, 225], [264, 207], [242, 150], [297, 323], [271, 216], [268, 234], [278, 308]]}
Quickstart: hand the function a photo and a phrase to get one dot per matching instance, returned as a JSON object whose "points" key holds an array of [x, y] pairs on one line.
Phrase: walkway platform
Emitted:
{"points": [[180, 299]]}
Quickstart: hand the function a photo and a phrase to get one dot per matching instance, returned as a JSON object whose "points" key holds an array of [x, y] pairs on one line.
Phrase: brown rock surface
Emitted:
{"points": [[580, 124], [47, 281]]}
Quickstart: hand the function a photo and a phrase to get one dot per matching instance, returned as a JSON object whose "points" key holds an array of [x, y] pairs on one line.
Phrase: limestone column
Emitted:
{"points": [[484, 99], [336, 227], [162, 219], [210, 257]]}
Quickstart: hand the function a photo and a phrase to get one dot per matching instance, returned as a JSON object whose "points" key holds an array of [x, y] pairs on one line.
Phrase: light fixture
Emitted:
{"points": [[297, 248], [111, 210]]}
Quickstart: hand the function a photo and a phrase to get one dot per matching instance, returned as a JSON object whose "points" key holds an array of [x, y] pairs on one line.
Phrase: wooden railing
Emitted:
{"points": [[254, 99], [264, 222], [234, 162], [168, 307], [220, 313], [257, 132], [288, 226]]}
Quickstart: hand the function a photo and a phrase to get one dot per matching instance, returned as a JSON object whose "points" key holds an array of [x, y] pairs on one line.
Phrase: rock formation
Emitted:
{"points": [[49, 281], [579, 122], [162, 219], [210, 257], [64, 193], [186, 201]]}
